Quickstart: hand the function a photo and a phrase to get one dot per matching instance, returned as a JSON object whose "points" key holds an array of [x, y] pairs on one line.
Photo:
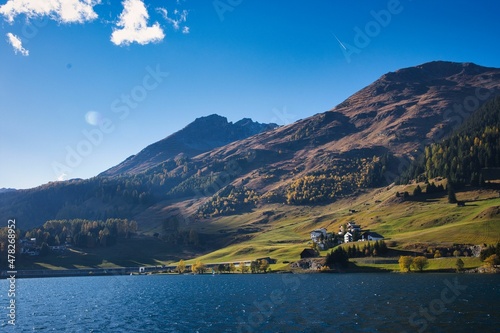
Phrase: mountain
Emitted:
{"points": [[363, 142], [338, 151], [201, 135]]}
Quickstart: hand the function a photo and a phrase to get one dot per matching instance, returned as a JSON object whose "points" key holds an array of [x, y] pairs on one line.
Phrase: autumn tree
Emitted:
{"points": [[492, 260], [419, 263], [405, 263], [199, 267], [181, 267], [243, 267], [263, 265]]}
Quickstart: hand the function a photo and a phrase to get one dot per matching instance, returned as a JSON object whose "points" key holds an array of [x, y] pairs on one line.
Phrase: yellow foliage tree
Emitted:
{"points": [[405, 263], [181, 267]]}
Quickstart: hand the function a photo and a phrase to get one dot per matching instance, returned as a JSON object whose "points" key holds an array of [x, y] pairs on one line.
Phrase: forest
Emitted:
{"points": [[82, 233], [465, 154], [343, 177]]}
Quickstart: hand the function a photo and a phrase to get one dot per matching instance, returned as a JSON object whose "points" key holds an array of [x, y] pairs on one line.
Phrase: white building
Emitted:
{"points": [[318, 234], [348, 237]]}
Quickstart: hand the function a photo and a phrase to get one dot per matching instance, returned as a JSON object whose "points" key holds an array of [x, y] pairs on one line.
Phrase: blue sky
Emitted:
{"points": [[86, 83]]}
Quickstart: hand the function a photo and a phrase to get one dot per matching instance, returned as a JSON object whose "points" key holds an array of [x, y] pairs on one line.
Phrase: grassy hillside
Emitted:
{"points": [[282, 232], [429, 221]]}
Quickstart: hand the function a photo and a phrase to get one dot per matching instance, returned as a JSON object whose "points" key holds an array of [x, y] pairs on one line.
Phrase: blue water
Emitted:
{"points": [[256, 303]]}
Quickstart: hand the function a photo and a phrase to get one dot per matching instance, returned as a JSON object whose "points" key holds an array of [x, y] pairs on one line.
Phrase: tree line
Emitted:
{"points": [[340, 256], [82, 233], [256, 266]]}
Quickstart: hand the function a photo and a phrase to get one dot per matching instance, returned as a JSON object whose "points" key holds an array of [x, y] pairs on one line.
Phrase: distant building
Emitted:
{"points": [[348, 237], [371, 236], [353, 227], [318, 235], [29, 247], [268, 259]]}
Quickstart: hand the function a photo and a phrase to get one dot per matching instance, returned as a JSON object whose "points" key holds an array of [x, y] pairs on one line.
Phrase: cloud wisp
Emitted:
{"points": [[17, 44], [181, 17]]}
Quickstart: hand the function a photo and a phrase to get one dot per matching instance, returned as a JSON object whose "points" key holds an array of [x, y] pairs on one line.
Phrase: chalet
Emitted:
{"points": [[353, 227], [371, 236], [308, 253], [29, 247], [341, 230], [318, 235], [268, 259], [348, 237]]}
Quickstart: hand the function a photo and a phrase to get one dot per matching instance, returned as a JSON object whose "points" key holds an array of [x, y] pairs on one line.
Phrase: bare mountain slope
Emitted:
{"points": [[397, 114], [201, 135], [315, 160]]}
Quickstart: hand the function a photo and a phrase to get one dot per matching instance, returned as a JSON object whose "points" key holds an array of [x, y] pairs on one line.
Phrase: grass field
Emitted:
{"points": [[440, 264], [282, 231], [430, 221]]}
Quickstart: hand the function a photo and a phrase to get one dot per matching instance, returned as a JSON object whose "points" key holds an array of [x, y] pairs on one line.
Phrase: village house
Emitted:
{"points": [[318, 235], [348, 237], [353, 227], [371, 236], [308, 253], [28, 246]]}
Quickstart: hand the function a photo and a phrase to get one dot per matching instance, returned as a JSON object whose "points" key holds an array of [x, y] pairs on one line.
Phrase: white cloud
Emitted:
{"points": [[134, 25], [64, 11], [180, 17], [17, 44]]}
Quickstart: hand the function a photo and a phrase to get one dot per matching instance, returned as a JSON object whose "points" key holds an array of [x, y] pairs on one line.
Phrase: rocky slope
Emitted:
{"points": [[201, 135]]}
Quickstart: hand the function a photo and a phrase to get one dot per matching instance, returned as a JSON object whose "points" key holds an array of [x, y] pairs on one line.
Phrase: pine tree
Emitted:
{"points": [[452, 198]]}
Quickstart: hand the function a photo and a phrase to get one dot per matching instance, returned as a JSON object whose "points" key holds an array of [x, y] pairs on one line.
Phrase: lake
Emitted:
{"points": [[256, 303]]}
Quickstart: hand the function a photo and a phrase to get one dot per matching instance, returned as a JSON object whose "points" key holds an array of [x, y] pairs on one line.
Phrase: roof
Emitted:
{"points": [[308, 253], [373, 234]]}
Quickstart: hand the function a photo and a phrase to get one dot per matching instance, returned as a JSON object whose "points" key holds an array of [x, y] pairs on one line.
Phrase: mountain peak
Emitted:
{"points": [[203, 134], [213, 118], [414, 103], [433, 70]]}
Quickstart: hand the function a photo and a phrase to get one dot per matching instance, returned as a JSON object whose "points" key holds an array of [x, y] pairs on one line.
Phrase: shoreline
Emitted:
{"points": [[47, 273]]}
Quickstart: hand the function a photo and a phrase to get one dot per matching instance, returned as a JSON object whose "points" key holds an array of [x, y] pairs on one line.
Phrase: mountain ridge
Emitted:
{"points": [[201, 135], [315, 160]]}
